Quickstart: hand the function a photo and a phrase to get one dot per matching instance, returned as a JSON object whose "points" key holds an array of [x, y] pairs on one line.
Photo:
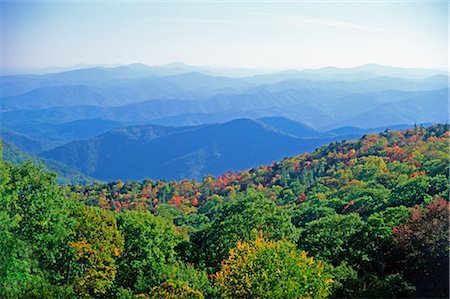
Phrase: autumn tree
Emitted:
{"points": [[422, 249], [267, 269], [97, 243]]}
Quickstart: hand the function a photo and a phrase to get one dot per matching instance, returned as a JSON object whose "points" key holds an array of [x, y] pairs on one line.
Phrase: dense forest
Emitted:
{"points": [[365, 218]]}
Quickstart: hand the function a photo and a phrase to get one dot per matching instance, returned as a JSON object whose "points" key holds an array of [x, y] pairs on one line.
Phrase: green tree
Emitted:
{"points": [[245, 218], [336, 238], [306, 213], [148, 249], [173, 290], [411, 192], [34, 229]]}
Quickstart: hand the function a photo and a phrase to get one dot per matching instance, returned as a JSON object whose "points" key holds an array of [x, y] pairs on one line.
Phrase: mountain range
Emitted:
{"points": [[159, 152], [179, 121]]}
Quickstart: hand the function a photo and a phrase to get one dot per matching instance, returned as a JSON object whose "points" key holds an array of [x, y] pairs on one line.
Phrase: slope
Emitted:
{"points": [[179, 152], [64, 174]]}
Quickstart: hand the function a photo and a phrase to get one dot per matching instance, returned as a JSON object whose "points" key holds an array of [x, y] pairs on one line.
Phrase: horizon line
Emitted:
{"points": [[8, 71]]}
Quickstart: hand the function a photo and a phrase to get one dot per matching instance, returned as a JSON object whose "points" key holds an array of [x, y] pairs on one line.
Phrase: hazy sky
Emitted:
{"points": [[286, 34]]}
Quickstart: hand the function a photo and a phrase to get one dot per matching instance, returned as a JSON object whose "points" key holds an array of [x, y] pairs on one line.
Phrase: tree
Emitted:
{"points": [[411, 192], [266, 269], [149, 243], [336, 238], [421, 248], [245, 218], [97, 244], [372, 168], [306, 213], [34, 229], [174, 289]]}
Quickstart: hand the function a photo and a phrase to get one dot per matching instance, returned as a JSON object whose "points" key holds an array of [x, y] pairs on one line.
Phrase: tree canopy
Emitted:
{"points": [[363, 218]]}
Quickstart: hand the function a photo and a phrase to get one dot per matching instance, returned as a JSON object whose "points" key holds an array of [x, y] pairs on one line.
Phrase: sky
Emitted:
{"points": [[246, 34]]}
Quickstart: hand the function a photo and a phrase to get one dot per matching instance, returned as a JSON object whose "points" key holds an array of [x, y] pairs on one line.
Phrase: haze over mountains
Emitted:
{"points": [[188, 152], [179, 121]]}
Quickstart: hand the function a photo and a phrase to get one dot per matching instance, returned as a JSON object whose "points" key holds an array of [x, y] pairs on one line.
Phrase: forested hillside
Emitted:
{"points": [[65, 174], [363, 218], [191, 152]]}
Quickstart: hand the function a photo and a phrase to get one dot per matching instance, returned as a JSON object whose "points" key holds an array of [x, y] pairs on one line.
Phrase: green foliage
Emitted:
{"points": [[371, 212], [389, 286], [306, 213], [149, 243], [244, 218], [65, 174], [35, 225], [187, 219], [411, 192], [346, 283], [336, 238], [381, 223], [174, 289], [196, 280]]}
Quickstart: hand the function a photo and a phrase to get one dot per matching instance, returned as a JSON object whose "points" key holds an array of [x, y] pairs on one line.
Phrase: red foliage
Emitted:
{"points": [[176, 200], [194, 201], [302, 198], [422, 243]]}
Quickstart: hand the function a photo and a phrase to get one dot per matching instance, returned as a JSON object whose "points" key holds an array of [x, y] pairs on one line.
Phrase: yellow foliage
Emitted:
{"points": [[97, 243], [267, 269]]}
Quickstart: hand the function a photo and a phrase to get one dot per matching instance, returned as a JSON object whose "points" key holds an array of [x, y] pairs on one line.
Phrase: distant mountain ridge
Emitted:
{"points": [[324, 110], [159, 152], [102, 77], [179, 120]]}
